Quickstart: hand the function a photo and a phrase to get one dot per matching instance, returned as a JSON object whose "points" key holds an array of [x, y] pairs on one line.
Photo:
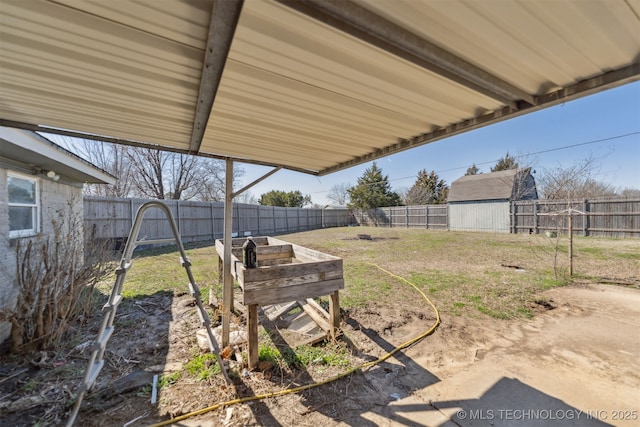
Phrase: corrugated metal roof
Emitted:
{"points": [[314, 86], [501, 185]]}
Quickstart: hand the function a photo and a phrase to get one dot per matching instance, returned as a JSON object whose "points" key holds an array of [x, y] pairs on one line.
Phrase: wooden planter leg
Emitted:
{"points": [[213, 300], [334, 313], [252, 332]]}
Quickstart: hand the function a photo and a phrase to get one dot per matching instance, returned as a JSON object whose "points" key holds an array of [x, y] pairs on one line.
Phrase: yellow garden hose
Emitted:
{"points": [[308, 386]]}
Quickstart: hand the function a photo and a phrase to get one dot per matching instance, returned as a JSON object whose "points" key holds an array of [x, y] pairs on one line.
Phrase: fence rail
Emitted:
{"points": [[111, 218]]}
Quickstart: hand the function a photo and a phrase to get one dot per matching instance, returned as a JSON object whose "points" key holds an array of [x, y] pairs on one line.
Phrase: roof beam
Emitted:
{"points": [[361, 23], [150, 146], [224, 19], [577, 90]]}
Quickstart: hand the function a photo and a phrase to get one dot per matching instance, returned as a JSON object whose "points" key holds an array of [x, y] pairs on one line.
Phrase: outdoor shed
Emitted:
{"points": [[39, 182], [483, 202]]}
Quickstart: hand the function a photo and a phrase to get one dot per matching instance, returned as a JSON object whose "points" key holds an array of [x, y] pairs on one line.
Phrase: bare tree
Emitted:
{"points": [[111, 158], [574, 182], [339, 194], [165, 175], [247, 197], [213, 187], [630, 193], [149, 166]]}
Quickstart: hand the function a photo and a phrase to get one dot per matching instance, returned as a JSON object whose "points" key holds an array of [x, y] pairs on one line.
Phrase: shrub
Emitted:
{"points": [[56, 276]]}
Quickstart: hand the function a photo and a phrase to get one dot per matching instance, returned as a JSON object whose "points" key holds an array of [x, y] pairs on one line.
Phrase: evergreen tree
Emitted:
{"points": [[291, 199], [428, 189], [373, 191], [473, 170], [506, 163]]}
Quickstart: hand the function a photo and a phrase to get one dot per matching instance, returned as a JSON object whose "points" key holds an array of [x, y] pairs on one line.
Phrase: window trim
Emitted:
{"points": [[36, 214]]}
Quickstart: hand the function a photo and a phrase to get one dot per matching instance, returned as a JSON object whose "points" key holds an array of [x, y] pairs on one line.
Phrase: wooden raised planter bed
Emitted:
{"points": [[285, 272]]}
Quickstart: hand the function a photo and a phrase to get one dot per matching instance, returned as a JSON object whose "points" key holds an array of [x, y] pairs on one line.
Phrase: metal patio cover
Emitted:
{"points": [[313, 86]]}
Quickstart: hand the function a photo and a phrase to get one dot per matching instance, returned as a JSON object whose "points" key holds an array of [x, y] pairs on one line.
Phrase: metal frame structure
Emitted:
{"points": [[247, 103]]}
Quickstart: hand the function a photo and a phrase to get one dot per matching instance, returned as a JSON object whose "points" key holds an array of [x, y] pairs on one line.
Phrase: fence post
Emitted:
{"points": [[258, 217], [236, 218], [585, 218], [514, 229], [286, 220], [213, 223], [406, 215], [179, 216], [132, 214], [426, 216], [535, 217]]}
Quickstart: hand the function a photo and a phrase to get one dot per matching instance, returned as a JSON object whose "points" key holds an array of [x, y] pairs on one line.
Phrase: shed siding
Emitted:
{"points": [[490, 216]]}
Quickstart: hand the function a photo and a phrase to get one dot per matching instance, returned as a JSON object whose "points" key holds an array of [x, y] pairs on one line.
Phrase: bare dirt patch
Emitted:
{"points": [[558, 342]]}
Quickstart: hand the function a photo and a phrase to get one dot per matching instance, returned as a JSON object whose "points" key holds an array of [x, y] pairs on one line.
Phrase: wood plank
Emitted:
{"points": [[320, 336], [294, 281], [334, 312], [318, 307], [313, 314], [247, 275], [219, 248], [239, 241], [304, 253], [312, 286], [276, 310], [263, 252], [301, 323], [252, 333], [276, 261], [309, 255], [238, 306], [293, 293], [274, 251], [267, 252]]}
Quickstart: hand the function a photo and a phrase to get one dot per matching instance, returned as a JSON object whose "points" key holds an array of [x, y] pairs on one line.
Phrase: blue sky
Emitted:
{"points": [[604, 117]]}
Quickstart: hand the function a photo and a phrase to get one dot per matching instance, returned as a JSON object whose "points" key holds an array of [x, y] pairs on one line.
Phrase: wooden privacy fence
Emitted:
{"points": [[601, 218], [199, 221], [111, 218], [423, 216]]}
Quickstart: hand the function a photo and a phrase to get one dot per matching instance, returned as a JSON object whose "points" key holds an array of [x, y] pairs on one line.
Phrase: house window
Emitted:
{"points": [[23, 205]]}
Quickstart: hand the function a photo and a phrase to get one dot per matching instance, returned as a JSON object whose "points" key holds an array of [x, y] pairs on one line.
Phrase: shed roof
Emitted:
{"points": [[30, 150], [311, 85], [486, 186]]}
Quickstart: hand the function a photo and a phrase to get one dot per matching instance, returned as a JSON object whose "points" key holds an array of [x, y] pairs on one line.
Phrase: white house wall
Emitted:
{"points": [[491, 217], [7, 258]]}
